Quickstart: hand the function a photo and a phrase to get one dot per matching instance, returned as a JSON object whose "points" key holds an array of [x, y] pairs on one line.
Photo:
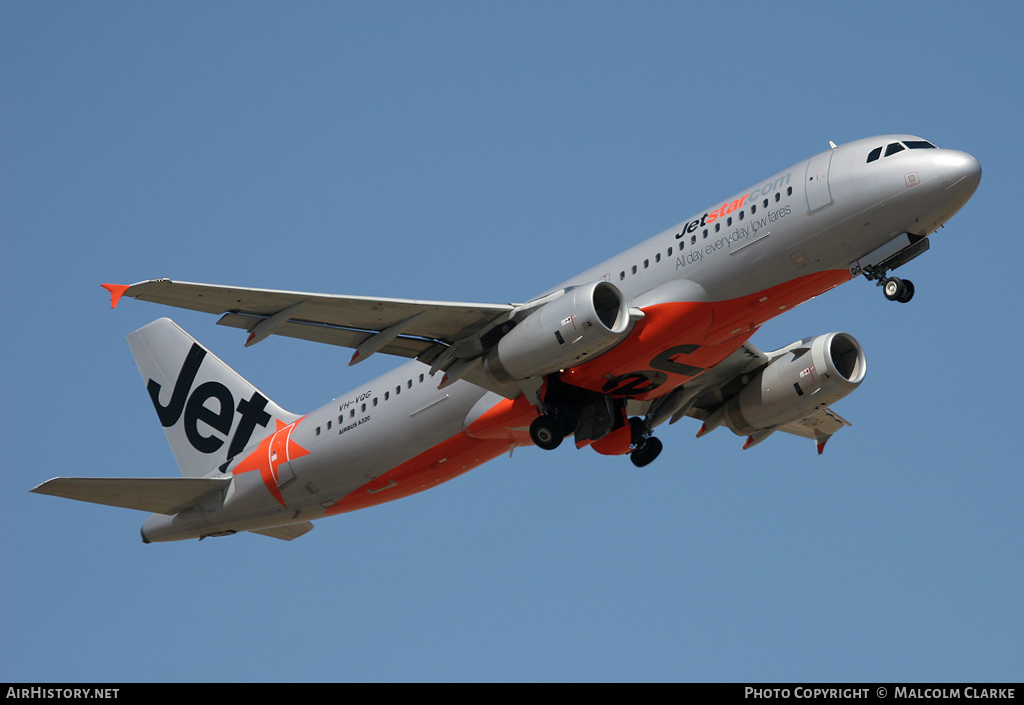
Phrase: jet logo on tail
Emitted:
{"points": [[192, 407]]}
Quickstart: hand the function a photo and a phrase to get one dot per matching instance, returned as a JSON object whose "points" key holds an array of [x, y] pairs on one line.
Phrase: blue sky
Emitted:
{"points": [[483, 152]]}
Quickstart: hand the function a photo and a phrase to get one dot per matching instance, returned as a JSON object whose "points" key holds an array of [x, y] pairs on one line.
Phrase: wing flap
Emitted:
{"points": [[162, 495], [819, 425], [287, 532], [346, 337]]}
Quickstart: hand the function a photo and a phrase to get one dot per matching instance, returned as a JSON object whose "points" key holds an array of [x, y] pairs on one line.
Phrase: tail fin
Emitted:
{"points": [[209, 412]]}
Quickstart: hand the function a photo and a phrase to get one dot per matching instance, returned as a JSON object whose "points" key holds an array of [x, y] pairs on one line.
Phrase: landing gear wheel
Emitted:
{"points": [[546, 432], [646, 452], [896, 289], [908, 292]]}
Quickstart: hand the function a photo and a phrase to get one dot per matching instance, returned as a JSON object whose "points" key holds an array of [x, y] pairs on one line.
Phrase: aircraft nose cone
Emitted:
{"points": [[972, 170], [961, 173]]}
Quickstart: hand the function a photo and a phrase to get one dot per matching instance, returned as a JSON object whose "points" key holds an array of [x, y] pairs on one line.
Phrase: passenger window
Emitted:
{"points": [[633, 270], [647, 263], [753, 209], [657, 257], [874, 154], [777, 197], [893, 148], [789, 191]]}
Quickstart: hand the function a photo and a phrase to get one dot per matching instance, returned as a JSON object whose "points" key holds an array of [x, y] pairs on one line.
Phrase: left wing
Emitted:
{"points": [[425, 330]]}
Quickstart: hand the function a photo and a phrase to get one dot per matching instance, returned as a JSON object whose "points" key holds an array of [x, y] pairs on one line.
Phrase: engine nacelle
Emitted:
{"points": [[573, 328], [807, 377]]}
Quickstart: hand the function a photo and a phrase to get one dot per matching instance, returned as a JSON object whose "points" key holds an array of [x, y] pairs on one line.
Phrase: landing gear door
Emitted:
{"points": [[816, 182]]}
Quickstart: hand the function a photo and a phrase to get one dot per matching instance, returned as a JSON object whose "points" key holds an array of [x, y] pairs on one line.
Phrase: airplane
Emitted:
{"points": [[655, 334]]}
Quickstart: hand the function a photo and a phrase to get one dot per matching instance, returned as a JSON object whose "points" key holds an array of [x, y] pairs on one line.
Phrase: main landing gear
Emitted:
{"points": [[646, 452], [548, 430], [645, 446], [593, 419]]}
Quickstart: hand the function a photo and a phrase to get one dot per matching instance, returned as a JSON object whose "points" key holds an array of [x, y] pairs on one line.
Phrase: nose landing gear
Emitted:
{"points": [[876, 265], [896, 289]]}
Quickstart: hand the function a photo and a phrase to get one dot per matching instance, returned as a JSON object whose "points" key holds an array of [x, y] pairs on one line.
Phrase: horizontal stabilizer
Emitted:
{"points": [[288, 532], [163, 495]]}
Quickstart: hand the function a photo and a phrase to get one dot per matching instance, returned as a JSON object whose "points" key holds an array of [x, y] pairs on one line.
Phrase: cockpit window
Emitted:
{"points": [[919, 144], [893, 148], [874, 154]]}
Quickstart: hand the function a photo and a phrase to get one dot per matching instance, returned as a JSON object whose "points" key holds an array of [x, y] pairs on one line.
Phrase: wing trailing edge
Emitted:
{"points": [[286, 532]]}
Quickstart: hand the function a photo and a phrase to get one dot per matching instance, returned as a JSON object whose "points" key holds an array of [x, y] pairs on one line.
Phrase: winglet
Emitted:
{"points": [[116, 292]]}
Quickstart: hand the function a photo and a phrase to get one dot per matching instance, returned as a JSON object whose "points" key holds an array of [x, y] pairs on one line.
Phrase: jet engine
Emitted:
{"points": [[807, 376], [567, 331]]}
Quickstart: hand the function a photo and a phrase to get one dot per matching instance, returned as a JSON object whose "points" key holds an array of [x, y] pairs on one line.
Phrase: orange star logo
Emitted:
{"points": [[270, 454]]}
